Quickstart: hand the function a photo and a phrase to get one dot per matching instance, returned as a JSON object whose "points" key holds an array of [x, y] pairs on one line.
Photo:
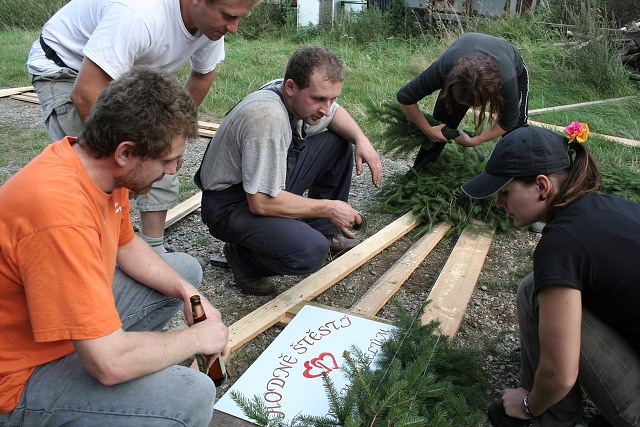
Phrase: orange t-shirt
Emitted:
{"points": [[59, 236]]}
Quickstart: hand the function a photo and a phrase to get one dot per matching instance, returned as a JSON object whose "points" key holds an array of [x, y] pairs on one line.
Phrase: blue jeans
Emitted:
{"points": [[61, 392], [609, 368]]}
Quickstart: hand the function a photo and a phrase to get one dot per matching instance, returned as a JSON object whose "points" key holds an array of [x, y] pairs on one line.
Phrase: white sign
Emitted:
{"points": [[288, 374]]}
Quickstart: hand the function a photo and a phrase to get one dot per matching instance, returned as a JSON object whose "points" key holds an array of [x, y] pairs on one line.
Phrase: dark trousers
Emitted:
{"points": [[321, 166], [459, 111]]}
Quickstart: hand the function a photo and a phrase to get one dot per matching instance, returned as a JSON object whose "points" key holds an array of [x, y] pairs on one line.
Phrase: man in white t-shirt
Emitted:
{"points": [[88, 43]]}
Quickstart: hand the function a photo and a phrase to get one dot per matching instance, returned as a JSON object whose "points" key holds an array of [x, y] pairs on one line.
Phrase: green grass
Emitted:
{"points": [[17, 147], [377, 67], [16, 44]]}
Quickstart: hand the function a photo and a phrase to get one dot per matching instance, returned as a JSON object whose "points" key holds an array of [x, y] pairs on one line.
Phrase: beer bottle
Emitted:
{"points": [[217, 371]]}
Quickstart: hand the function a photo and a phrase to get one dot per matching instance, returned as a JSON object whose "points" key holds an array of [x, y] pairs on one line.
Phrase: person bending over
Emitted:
{"points": [[477, 71]]}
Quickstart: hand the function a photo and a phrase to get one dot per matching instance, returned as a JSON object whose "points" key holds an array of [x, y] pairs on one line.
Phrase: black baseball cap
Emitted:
{"points": [[526, 151]]}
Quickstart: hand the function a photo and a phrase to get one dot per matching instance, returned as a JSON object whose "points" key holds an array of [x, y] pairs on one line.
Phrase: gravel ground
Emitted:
{"points": [[489, 321]]}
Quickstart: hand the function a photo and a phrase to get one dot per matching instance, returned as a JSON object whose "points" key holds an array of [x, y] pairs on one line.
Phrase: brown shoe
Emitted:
{"points": [[340, 243], [254, 285]]}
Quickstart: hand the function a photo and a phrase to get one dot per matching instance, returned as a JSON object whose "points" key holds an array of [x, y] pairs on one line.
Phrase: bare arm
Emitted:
{"points": [[198, 85], [559, 329], [434, 133], [88, 85], [121, 356], [289, 205], [344, 125]]}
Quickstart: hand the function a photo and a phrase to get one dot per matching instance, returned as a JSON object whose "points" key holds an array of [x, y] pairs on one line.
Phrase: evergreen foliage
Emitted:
{"points": [[434, 194], [421, 378]]}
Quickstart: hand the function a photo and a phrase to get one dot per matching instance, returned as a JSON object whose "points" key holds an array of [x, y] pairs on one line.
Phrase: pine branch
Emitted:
{"points": [[401, 136]]}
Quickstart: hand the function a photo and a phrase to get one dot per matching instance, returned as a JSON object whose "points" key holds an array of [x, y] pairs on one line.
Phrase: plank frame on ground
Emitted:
{"points": [[389, 283], [275, 310], [579, 105], [452, 291], [14, 91]]}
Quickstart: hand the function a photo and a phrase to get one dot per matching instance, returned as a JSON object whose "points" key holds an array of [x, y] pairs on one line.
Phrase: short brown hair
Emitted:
{"points": [[309, 59]]}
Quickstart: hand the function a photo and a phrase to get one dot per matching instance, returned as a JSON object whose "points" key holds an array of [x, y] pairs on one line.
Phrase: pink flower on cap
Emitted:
{"points": [[577, 131]]}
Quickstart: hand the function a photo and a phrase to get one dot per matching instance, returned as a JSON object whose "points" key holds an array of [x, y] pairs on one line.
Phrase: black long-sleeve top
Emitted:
{"points": [[506, 56]]}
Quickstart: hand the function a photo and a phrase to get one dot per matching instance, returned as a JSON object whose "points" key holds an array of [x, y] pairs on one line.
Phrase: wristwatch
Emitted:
{"points": [[525, 406]]}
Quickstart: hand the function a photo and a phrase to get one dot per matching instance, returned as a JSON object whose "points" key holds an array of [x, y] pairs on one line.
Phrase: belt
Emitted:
{"points": [[51, 54]]}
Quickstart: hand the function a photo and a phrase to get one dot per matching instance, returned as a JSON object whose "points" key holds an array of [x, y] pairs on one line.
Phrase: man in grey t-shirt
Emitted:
{"points": [[288, 138]]}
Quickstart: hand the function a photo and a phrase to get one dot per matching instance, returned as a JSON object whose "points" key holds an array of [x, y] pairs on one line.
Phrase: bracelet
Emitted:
{"points": [[525, 406]]}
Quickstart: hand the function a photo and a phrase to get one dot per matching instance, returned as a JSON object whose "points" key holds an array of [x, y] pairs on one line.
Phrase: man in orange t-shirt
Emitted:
{"points": [[83, 299]]}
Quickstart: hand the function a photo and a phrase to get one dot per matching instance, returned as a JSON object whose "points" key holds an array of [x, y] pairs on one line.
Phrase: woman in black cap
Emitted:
{"points": [[579, 312]]}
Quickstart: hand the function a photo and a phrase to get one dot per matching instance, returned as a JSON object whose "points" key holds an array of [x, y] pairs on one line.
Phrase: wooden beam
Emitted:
{"points": [[389, 283], [14, 91], [28, 97], [207, 129], [582, 104], [296, 309], [272, 312], [452, 291], [208, 125], [178, 212], [625, 141]]}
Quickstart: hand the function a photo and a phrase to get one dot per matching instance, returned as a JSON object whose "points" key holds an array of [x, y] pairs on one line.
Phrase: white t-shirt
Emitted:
{"points": [[118, 34]]}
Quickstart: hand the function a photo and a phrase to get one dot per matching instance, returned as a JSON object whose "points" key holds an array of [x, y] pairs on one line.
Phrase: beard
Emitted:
{"points": [[134, 180]]}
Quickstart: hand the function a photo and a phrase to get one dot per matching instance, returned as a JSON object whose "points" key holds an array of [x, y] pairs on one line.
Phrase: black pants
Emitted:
{"points": [[268, 246]]}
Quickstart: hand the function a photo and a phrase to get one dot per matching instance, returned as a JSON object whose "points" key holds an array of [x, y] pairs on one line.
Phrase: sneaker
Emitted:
{"points": [[254, 285], [340, 243], [499, 418], [536, 227]]}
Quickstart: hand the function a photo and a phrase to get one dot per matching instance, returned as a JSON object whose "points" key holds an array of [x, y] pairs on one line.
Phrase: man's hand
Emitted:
{"points": [[367, 154], [343, 216]]}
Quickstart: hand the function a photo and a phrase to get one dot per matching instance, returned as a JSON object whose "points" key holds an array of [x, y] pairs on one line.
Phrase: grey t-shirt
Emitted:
{"points": [[250, 146]]}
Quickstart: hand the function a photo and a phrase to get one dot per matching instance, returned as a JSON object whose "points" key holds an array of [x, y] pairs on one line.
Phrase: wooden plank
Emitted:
{"points": [[389, 283], [14, 91], [178, 212], [208, 125], [206, 133], [581, 104], [32, 98], [452, 291], [296, 309], [272, 312], [625, 141], [222, 419]]}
